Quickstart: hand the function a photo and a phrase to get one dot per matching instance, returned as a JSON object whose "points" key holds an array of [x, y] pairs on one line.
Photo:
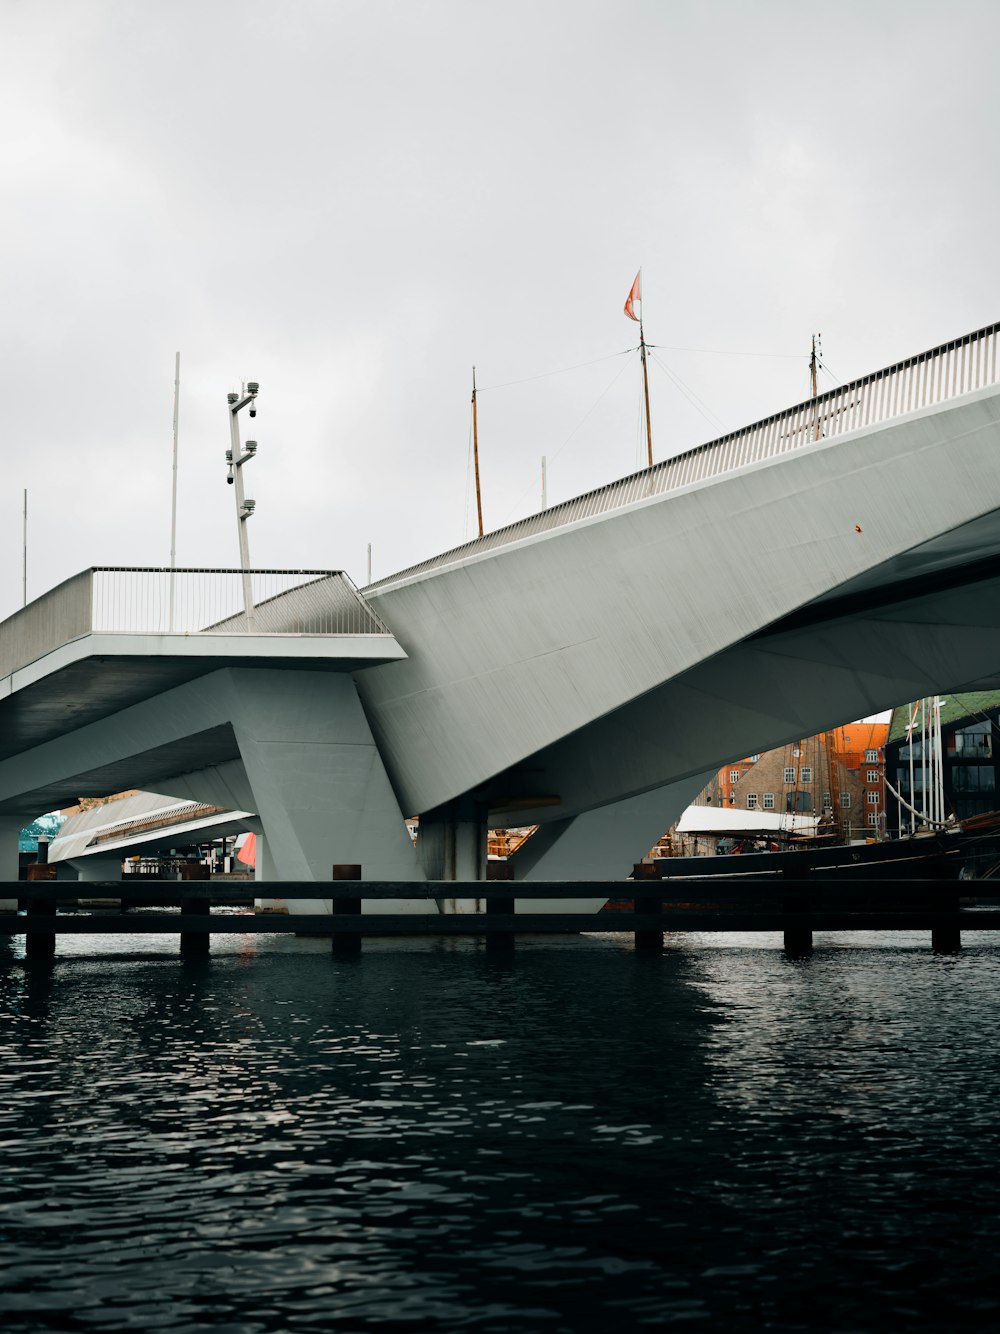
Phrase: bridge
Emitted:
{"points": [[584, 669]]}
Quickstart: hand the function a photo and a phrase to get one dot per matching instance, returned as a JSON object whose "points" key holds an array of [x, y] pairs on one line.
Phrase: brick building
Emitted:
{"points": [[839, 775]]}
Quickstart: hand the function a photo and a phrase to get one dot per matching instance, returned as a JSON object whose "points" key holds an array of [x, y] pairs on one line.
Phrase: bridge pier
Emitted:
{"points": [[10, 828], [452, 844], [101, 867]]}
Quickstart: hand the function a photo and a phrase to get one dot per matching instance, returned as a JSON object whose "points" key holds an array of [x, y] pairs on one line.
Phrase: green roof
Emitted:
{"points": [[973, 705]]}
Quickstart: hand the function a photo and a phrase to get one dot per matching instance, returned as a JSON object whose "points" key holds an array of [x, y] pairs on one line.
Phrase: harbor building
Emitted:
{"points": [[832, 783], [838, 774], [967, 755]]}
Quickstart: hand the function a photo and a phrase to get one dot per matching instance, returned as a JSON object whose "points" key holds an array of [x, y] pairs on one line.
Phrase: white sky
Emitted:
{"points": [[354, 202]]}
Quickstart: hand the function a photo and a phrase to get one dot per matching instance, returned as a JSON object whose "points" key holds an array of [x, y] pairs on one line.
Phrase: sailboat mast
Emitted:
{"points": [[475, 454], [645, 390], [635, 294]]}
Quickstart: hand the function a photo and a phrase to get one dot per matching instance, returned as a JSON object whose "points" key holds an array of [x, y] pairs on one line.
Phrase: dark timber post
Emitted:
{"points": [[500, 942], [946, 939], [347, 943], [192, 941], [41, 944], [798, 936], [648, 939]]}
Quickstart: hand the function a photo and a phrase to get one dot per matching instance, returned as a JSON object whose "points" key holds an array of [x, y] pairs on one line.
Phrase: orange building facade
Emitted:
{"points": [[839, 774]]}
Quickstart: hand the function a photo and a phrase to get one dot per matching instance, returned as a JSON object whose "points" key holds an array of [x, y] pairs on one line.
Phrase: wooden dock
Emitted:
{"points": [[796, 906]]}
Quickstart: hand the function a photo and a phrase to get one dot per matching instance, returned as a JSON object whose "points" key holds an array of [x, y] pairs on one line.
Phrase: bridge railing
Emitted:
{"points": [[61, 614], [132, 600], [958, 367], [128, 600]]}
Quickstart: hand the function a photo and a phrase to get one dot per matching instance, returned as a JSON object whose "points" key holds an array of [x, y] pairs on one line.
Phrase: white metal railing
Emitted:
{"points": [[944, 372], [129, 600]]}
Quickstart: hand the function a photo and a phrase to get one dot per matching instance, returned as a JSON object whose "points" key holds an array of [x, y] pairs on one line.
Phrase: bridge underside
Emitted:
{"points": [[818, 669], [295, 746], [587, 680]]}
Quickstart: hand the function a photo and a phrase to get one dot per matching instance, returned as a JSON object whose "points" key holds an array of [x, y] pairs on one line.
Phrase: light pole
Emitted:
{"points": [[236, 457]]}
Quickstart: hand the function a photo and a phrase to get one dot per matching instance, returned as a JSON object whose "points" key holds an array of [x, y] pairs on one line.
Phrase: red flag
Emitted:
{"points": [[248, 851], [634, 295]]}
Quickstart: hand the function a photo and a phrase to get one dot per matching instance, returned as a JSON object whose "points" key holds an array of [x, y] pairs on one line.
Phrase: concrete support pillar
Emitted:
{"points": [[317, 782], [10, 827], [452, 845], [103, 866], [265, 868]]}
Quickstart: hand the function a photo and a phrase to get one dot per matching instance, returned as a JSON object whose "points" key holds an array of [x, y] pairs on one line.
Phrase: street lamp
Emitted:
{"points": [[235, 458]]}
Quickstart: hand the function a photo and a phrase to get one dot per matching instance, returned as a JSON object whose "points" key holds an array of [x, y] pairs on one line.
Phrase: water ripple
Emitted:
{"points": [[428, 1138]]}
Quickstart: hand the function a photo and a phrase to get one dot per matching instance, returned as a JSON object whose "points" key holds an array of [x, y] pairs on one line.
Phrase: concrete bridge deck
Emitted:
{"points": [[583, 670]]}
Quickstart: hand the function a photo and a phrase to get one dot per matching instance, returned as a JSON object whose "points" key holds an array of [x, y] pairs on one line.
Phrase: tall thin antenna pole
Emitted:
{"points": [[173, 499], [24, 554], [475, 453], [173, 492]]}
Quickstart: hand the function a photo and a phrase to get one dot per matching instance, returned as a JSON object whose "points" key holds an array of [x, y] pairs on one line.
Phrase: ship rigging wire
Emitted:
{"points": [[697, 403], [610, 385], [663, 347]]}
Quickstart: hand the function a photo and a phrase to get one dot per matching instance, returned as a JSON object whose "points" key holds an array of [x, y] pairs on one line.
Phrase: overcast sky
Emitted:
{"points": [[354, 202]]}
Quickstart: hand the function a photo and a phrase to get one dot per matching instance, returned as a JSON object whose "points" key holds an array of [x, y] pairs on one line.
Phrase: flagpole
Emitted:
{"points": [[645, 376], [636, 295], [475, 453], [645, 390]]}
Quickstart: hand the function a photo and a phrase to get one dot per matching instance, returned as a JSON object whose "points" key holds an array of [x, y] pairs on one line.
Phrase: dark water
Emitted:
{"points": [[431, 1139]]}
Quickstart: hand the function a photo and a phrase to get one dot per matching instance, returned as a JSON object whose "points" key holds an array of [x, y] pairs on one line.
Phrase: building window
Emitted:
{"points": [[871, 757], [754, 759], [973, 777], [806, 773], [972, 743], [789, 775], [827, 803], [845, 801], [873, 775], [873, 817], [769, 801], [751, 801], [734, 775], [872, 798]]}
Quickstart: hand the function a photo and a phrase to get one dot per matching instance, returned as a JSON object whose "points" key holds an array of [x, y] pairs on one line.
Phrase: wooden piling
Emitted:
{"points": [[195, 942], [41, 944], [946, 938], [346, 944], [500, 942], [648, 939], [797, 935]]}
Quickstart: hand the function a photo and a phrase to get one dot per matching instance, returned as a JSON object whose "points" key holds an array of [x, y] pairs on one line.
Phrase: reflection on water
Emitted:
{"points": [[430, 1138]]}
